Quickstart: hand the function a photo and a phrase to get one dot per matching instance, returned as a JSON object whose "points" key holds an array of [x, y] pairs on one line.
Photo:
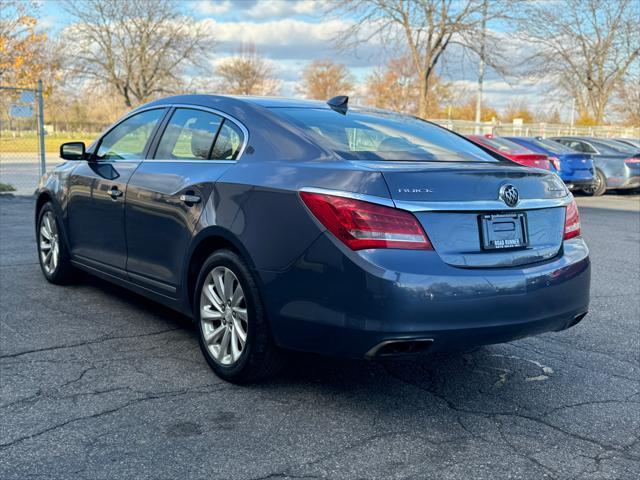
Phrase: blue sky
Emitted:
{"points": [[290, 33]]}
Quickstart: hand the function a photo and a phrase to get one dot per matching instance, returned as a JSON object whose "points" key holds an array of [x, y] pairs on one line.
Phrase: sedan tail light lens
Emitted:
{"points": [[571, 221], [555, 161], [361, 225], [632, 161], [543, 164]]}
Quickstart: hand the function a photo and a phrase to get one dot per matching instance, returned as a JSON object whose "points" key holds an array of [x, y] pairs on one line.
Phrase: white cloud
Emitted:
{"points": [[276, 32], [281, 8], [212, 7], [292, 39], [255, 9]]}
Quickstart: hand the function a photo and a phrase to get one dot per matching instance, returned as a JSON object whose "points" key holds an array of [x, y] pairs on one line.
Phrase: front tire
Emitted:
{"points": [[599, 185], [232, 326], [53, 256]]}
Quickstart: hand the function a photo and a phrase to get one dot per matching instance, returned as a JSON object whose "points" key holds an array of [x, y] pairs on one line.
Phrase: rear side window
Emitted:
{"points": [[228, 143], [581, 147], [189, 135], [378, 135], [127, 141]]}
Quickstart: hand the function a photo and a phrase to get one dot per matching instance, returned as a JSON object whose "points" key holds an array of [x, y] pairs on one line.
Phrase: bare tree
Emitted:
{"points": [[140, 47], [518, 108], [627, 101], [423, 28], [323, 79], [247, 74], [585, 48], [394, 87], [465, 109], [397, 87]]}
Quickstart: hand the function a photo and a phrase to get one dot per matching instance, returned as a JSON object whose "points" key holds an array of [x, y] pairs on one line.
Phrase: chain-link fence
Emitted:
{"points": [[467, 127], [22, 151]]}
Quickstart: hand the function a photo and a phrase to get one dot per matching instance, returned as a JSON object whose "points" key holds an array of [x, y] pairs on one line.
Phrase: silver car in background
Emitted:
{"points": [[617, 164]]}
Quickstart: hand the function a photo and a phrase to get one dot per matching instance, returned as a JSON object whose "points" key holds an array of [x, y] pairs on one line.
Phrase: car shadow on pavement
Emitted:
{"points": [[483, 368], [471, 375]]}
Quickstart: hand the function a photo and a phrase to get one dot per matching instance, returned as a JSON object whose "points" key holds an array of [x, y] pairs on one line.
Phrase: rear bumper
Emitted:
{"points": [[631, 182], [345, 303], [579, 183], [578, 178]]}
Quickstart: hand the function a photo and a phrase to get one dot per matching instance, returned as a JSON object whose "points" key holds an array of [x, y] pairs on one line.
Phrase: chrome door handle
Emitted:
{"points": [[115, 193], [190, 199]]}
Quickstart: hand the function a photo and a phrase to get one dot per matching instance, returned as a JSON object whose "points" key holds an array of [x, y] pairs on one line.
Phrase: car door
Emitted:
{"points": [[97, 192], [167, 193]]}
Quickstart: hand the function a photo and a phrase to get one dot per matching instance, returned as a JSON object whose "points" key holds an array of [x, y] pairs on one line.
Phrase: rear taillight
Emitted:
{"points": [[571, 221], [555, 161], [363, 225], [543, 164], [632, 161]]}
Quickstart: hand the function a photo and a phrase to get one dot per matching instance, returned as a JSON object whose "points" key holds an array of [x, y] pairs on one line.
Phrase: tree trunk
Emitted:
{"points": [[423, 92], [127, 98], [599, 110]]}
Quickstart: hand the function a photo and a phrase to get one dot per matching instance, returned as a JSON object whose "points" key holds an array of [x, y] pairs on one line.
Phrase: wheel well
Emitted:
{"points": [[42, 199], [205, 248]]}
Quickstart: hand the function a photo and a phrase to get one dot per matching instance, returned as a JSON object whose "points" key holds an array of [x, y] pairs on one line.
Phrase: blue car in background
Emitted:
{"points": [[574, 168], [617, 164]]}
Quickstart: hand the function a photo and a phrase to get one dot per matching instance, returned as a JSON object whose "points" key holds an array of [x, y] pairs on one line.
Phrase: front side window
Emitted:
{"points": [[376, 135], [129, 138], [189, 135]]}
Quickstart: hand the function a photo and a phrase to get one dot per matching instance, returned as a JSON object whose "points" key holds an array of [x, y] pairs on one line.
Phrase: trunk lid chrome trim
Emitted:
{"points": [[462, 206]]}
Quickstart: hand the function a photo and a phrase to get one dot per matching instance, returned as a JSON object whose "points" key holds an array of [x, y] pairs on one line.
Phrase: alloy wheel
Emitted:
{"points": [[597, 182], [223, 316], [49, 244]]}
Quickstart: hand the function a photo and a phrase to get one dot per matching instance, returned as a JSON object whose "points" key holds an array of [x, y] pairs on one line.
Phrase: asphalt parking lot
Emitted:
{"points": [[99, 383]]}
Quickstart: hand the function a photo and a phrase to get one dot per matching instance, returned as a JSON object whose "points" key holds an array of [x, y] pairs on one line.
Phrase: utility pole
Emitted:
{"points": [[41, 132], [481, 68], [573, 109]]}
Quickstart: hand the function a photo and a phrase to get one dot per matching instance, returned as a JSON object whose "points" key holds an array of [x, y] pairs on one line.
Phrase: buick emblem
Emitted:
{"points": [[509, 195]]}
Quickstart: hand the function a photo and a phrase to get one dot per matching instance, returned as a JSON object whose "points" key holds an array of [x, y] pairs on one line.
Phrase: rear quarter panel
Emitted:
{"points": [[613, 168], [257, 203]]}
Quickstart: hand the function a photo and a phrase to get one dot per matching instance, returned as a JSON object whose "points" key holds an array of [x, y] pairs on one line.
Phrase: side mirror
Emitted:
{"points": [[72, 151]]}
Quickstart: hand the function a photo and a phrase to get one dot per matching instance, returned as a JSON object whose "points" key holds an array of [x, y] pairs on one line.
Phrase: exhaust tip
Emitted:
{"points": [[398, 347], [577, 319]]}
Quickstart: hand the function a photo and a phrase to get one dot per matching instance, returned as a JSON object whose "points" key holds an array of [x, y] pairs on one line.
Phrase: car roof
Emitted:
{"points": [[212, 100], [283, 102], [573, 137]]}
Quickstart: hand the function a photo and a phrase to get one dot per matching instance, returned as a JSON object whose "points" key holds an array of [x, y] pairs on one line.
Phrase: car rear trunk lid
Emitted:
{"points": [[576, 161], [452, 200]]}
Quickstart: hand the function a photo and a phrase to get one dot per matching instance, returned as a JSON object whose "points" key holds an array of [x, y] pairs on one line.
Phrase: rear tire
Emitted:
{"points": [[53, 256], [599, 185], [232, 326]]}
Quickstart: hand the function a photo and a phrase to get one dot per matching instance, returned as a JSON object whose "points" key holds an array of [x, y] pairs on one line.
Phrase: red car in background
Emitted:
{"points": [[514, 152]]}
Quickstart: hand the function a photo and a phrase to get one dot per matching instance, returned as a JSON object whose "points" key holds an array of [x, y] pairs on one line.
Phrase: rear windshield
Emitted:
{"points": [[553, 147], [617, 146], [504, 145], [366, 135]]}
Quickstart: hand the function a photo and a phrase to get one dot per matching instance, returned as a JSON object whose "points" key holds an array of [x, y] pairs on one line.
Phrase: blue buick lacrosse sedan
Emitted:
{"points": [[303, 225]]}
